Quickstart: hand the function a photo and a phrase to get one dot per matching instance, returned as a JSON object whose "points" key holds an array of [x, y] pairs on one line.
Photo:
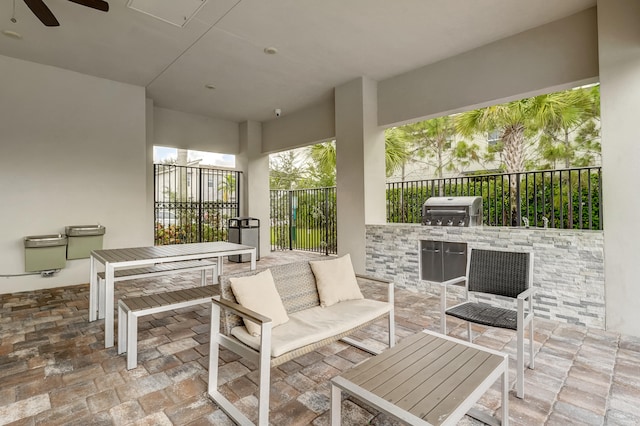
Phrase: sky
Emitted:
{"points": [[161, 153]]}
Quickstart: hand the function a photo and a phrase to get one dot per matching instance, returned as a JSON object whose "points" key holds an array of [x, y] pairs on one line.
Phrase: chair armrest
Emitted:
{"points": [[241, 310], [453, 281], [527, 293], [443, 300]]}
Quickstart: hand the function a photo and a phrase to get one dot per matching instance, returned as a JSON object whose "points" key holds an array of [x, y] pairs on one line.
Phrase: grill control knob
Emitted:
{"points": [[439, 222], [450, 222], [461, 223], [427, 222]]}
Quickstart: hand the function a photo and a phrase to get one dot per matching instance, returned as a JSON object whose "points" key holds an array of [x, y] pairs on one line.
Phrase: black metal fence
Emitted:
{"points": [[304, 219], [566, 199], [192, 204]]}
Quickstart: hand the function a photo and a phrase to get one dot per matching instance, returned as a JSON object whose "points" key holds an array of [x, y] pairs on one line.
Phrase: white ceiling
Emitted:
{"points": [[321, 44]]}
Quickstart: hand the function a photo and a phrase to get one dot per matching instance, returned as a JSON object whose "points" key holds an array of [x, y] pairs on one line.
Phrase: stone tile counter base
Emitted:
{"points": [[568, 270]]}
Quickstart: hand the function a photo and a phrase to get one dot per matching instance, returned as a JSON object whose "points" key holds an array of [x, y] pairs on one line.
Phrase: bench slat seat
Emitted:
{"points": [[130, 308], [154, 271]]}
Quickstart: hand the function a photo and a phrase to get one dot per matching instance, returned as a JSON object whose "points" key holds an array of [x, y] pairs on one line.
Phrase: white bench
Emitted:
{"points": [[130, 308], [157, 270]]}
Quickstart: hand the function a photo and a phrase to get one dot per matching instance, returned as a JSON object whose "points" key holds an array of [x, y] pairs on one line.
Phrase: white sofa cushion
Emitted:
{"points": [[314, 324], [336, 280], [258, 292]]}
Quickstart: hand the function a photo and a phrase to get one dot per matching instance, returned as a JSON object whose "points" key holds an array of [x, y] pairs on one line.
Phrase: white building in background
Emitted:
{"points": [[194, 181], [420, 169]]}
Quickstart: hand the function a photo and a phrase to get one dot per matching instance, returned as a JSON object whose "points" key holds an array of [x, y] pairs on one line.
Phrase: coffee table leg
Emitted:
{"points": [[505, 395], [336, 405]]}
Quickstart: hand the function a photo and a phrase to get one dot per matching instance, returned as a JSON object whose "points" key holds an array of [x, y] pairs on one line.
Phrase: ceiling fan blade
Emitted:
{"points": [[42, 12], [94, 4]]}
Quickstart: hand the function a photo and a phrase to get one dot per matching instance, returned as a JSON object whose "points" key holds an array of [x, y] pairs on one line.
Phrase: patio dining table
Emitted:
{"points": [[114, 259]]}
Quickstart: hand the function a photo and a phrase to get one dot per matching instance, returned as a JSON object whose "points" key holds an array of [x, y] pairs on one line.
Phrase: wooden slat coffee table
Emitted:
{"points": [[428, 379]]}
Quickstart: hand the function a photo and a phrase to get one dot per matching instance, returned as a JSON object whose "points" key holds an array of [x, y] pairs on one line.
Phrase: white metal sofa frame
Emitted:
{"points": [[293, 282], [502, 273]]}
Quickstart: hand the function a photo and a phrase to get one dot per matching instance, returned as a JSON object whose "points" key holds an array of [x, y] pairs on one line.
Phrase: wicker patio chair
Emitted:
{"points": [[508, 275]]}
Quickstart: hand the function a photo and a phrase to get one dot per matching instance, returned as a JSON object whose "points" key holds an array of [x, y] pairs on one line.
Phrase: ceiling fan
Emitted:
{"points": [[44, 14]]}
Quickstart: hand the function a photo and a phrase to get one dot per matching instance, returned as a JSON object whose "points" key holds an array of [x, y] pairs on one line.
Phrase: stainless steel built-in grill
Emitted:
{"points": [[452, 211]]}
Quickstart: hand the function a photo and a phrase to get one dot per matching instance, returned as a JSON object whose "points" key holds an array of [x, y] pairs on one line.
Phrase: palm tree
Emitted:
{"points": [[227, 186], [562, 115], [323, 156], [397, 151], [511, 120], [557, 115]]}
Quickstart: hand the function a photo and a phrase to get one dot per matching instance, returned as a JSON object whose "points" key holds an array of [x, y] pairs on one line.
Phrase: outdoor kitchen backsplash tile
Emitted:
{"points": [[568, 264]]}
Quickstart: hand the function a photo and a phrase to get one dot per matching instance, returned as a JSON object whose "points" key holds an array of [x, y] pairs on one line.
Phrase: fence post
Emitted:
{"points": [[326, 221], [238, 198], [201, 197], [291, 218], [402, 210], [518, 201]]}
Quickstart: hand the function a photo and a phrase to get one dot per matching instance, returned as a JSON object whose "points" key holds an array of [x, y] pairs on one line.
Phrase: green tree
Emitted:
{"points": [[432, 140], [322, 167], [398, 151], [227, 186], [285, 170], [433, 143], [513, 120], [570, 126], [318, 167]]}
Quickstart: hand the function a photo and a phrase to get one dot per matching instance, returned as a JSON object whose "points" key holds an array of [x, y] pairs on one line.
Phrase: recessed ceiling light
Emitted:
{"points": [[270, 50], [12, 34], [210, 86]]}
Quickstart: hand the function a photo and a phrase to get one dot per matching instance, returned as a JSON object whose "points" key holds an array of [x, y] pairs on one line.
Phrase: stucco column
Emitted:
{"points": [[150, 138], [619, 56], [255, 180], [360, 167]]}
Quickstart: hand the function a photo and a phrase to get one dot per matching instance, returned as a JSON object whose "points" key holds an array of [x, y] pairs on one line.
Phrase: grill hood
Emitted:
{"points": [[452, 211]]}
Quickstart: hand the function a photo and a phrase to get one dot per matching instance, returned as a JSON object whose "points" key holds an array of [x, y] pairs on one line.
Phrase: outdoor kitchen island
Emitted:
{"points": [[568, 269]]}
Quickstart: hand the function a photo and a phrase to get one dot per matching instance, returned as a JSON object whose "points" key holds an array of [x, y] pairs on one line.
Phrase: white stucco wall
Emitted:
{"points": [[189, 131], [619, 42], [72, 152], [255, 181], [300, 128], [359, 160], [555, 56]]}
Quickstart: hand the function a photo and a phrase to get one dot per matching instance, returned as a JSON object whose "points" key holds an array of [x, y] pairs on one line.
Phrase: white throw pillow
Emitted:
{"points": [[258, 292], [336, 280]]}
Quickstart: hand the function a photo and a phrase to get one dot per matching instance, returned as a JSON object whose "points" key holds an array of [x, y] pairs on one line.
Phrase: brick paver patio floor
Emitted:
{"points": [[54, 369]]}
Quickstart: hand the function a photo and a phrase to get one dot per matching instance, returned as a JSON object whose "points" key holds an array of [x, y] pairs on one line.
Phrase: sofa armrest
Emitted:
{"points": [[390, 285], [370, 278], [241, 310]]}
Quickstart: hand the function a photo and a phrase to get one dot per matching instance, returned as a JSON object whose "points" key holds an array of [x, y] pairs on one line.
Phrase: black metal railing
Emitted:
{"points": [[193, 204], [566, 199], [304, 219]]}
